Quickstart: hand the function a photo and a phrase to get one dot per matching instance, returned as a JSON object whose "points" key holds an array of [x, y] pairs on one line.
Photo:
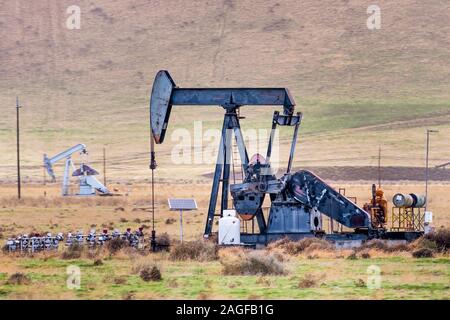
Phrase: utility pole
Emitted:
{"points": [[18, 106], [379, 167], [153, 167], [104, 166], [426, 166]]}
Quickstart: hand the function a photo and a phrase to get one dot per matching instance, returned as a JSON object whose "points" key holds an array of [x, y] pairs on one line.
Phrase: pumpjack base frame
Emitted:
{"points": [[266, 238]]}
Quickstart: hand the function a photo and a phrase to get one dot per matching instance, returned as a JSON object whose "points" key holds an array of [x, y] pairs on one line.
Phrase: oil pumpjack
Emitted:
{"points": [[88, 184], [298, 199]]}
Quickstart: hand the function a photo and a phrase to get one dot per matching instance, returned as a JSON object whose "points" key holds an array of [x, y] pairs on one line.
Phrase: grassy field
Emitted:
{"points": [[402, 277]]}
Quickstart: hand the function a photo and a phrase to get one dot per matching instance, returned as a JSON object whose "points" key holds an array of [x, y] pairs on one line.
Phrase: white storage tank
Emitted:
{"points": [[229, 228]]}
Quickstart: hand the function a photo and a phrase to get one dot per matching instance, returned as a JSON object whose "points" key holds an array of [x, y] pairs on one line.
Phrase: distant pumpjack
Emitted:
{"points": [[88, 184]]}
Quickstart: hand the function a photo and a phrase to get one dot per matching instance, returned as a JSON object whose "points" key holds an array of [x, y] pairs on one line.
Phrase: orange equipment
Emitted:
{"points": [[377, 208]]}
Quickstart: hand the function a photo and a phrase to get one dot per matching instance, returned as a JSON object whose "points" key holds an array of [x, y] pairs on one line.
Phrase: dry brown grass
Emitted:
{"points": [[306, 245], [383, 246], [194, 250], [59, 202], [237, 261]]}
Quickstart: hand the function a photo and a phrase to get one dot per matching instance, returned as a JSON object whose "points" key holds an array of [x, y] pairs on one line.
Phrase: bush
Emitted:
{"points": [[170, 220], [307, 281], [295, 247], [365, 255], [115, 245], [147, 269], [424, 243], [239, 262], [18, 278], [72, 252], [194, 250], [422, 253], [352, 256], [98, 262], [163, 241], [441, 238], [120, 280], [153, 274], [360, 283]]}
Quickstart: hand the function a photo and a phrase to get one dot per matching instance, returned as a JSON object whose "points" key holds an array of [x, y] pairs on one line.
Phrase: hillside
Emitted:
{"points": [[358, 88]]}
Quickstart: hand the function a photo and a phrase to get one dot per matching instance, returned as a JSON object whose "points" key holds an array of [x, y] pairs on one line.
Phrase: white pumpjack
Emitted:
{"points": [[88, 183]]}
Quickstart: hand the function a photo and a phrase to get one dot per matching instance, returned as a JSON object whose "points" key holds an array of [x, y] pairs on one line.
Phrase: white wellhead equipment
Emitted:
{"points": [[229, 228]]}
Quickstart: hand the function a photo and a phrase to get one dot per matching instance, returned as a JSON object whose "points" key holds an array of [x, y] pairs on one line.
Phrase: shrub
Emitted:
{"points": [[98, 262], [263, 281], [170, 220], [72, 252], [153, 274], [422, 253], [18, 278], [194, 250], [441, 238], [352, 256], [239, 262], [163, 240], [424, 243], [365, 255], [308, 281], [95, 253], [120, 280], [360, 283], [147, 269], [115, 245]]}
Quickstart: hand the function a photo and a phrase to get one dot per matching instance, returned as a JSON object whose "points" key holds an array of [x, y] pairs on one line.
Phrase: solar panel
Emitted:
{"points": [[182, 204]]}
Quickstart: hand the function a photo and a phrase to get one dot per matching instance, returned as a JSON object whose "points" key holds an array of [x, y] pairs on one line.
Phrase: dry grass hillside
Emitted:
{"points": [[357, 88]]}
